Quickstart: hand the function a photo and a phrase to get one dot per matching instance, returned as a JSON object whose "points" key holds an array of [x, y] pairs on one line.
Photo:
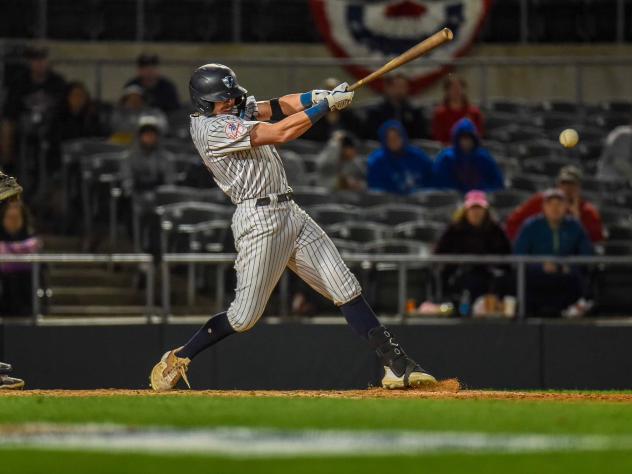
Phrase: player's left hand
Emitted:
{"points": [[250, 111], [339, 98], [318, 95]]}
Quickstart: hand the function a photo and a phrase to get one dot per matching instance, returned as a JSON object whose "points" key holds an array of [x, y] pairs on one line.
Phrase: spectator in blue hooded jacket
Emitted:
{"points": [[397, 167], [466, 165]]}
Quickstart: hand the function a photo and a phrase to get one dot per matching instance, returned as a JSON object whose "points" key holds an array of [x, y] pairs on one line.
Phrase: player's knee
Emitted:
{"points": [[243, 321], [349, 292]]}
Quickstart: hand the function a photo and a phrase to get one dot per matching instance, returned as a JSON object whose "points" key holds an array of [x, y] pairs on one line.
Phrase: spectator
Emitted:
{"points": [[398, 167], [474, 232], [16, 237], [551, 287], [466, 165], [126, 116], [159, 92], [454, 107], [148, 163], [79, 116], [569, 181], [339, 165], [395, 105], [32, 104], [334, 121], [615, 163]]}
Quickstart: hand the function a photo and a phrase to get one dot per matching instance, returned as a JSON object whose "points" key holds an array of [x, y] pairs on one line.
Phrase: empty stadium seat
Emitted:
{"points": [[395, 213], [359, 232], [312, 196], [396, 246], [326, 214], [418, 231]]}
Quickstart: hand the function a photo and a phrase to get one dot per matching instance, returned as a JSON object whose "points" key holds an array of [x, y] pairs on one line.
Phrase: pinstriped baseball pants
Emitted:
{"points": [[270, 238]]}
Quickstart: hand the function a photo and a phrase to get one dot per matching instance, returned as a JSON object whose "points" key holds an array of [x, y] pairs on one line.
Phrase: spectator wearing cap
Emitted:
{"points": [[126, 116], [339, 165], [398, 167], [334, 121], [159, 91], [474, 231], [615, 163], [454, 106], [395, 105], [552, 288], [569, 182], [466, 165], [148, 163], [33, 100]]}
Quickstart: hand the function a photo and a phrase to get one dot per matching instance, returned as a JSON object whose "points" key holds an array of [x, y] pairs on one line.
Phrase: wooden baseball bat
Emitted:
{"points": [[420, 49]]}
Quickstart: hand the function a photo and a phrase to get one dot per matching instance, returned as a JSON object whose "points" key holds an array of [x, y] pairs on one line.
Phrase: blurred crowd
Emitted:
{"points": [[374, 149]]}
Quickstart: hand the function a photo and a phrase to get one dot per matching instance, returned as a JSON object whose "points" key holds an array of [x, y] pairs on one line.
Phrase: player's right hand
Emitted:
{"points": [[339, 98]]}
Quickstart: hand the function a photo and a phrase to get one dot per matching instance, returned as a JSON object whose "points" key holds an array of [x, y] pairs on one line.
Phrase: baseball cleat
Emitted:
{"points": [[9, 187], [167, 373], [10, 383], [5, 368], [416, 378]]}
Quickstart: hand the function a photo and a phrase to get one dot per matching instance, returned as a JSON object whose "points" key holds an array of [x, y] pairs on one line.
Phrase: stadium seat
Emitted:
{"points": [[312, 196], [396, 246], [359, 232], [327, 214], [418, 231], [395, 213]]}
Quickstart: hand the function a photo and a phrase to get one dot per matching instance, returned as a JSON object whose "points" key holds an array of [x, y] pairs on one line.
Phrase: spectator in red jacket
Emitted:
{"points": [[569, 181], [454, 107]]}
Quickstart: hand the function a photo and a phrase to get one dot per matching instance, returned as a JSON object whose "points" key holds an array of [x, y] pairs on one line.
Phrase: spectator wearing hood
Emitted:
{"points": [[569, 182], [455, 106], [397, 167], [474, 231], [16, 237], [551, 287], [466, 165]]}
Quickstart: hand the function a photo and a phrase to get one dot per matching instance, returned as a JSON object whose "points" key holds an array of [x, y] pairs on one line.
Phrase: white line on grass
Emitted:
{"points": [[258, 442]]}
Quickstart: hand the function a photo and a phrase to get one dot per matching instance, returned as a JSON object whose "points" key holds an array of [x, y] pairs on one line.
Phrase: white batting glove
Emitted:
{"points": [[339, 98], [250, 111], [318, 95]]}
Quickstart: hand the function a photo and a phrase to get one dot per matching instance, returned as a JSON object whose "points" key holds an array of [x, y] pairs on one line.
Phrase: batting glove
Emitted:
{"points": [[318, 95], [339, 98]]}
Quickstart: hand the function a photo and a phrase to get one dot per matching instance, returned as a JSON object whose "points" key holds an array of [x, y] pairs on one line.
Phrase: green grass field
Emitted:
{"points": [[451, 420]]}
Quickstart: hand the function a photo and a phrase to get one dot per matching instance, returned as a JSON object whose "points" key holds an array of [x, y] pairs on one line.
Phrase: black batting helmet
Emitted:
{"points": [[214, 83]]}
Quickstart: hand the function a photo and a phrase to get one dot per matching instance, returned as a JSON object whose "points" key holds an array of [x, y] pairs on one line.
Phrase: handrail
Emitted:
{"points": [[402, 261]]}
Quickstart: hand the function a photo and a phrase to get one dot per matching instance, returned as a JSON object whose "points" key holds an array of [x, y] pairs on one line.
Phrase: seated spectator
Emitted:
{"points": [[126, 116], [454, 107], [569, 181], [334, 121], [339, 166], [474, 232], [466, 165], [159, 92], [398, 167], [31, 107], [552, 288], [395, 105], [79, 117], [16, 237], [148, 163], [616, 158]]}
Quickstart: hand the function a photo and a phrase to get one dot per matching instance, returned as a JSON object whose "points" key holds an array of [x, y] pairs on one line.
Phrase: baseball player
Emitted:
{"points": [[236, 138], [9, 189]]}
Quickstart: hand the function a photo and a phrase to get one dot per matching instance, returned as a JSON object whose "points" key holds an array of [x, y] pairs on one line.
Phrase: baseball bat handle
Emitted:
{"points": [[420, 49]]}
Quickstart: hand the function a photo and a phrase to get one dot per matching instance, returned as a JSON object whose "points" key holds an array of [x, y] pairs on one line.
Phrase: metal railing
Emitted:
{"points": [[402, 263], [144, 261]]}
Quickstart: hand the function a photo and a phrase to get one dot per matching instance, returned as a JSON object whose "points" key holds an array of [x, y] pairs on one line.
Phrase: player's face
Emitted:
{"points": [[475, 215], [224, 107], [554, 209], [13, 221], [394, 140]]}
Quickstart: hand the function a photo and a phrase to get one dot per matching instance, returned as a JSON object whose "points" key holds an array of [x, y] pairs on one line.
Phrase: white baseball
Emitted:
{"points": [[569, 138]]}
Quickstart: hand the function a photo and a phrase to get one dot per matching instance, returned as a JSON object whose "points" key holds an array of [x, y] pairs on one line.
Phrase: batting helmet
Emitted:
{"points": [[214, 83]]}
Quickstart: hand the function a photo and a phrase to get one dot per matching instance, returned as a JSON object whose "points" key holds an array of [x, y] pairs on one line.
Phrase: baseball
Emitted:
{"points": [[569, 138]]}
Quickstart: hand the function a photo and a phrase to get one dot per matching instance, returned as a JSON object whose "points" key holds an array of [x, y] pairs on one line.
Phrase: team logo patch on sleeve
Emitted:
{"points": [[234, 129], [382, 29]]}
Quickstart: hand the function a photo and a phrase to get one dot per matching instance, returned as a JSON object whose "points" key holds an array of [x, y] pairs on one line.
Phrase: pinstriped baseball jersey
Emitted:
{"points": [[268, 238], [241, 171]]}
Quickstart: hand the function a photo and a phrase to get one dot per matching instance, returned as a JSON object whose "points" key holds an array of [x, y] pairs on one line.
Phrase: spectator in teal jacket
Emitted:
{"points": [[466, 165], [552, 288], [398, 167]]}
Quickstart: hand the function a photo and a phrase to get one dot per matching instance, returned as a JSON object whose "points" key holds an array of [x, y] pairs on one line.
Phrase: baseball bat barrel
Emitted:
{"points": [[420, 49]]}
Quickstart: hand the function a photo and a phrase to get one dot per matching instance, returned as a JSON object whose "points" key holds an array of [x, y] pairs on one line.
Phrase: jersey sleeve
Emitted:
{"points": [[230, 134]]}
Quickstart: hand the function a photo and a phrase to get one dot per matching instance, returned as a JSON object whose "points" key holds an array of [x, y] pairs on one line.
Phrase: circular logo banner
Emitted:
{"points": [[383, 29]]}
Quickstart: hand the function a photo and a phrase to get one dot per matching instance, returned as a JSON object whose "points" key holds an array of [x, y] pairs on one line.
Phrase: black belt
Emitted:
{"points": [[280, 198]]}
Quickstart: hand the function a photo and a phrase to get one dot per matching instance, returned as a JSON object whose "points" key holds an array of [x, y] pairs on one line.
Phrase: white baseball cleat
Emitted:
{"points": [[417, 378], [167, 373], [10, 383]]}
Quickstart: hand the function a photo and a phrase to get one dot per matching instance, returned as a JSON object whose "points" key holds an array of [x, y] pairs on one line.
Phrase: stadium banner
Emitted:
{"points": [[383, 29]]}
